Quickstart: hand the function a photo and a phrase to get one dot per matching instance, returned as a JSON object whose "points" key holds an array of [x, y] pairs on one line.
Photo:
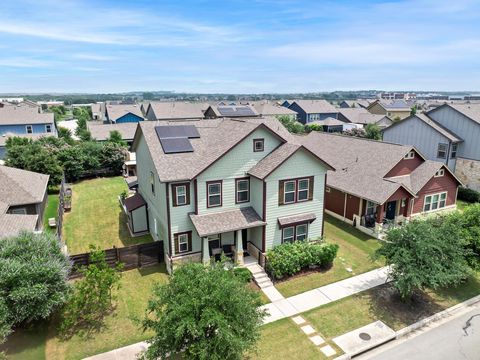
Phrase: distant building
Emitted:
{"points": [[123, 113], [391, 108], [363, 117], [268, 108], [313, 110], [230, 111], [175, 110], [345, 104]]}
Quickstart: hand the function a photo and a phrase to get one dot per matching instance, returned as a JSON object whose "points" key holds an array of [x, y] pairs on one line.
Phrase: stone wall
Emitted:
{"points": [[468, 171]]}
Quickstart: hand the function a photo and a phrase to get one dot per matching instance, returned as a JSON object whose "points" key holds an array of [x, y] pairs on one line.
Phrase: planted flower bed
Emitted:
{"points": [[291, 258]]}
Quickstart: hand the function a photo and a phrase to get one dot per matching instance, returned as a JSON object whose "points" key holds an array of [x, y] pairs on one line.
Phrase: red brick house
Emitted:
{"points": [[377, 184]]}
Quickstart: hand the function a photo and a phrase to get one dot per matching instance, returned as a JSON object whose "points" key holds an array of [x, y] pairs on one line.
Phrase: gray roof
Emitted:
{"points": [[360, 116], [272, 109], [360, 164], [270, 162], [395, 105], [24, 115], [102, 131], [316, 106], [357, 103], [116, 111], [225, 221], [20, 187], [234, 111], [470, 110], [217, 136], [294, 219], [178, 110], [12, 224]]}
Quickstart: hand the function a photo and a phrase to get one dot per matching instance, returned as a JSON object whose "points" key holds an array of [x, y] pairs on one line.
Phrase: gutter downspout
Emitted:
{"points": [[345, 208]]}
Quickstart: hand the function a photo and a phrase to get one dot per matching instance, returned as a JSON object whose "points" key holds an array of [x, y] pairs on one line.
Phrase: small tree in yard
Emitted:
{"points": [[92, 297], [33, 279], [204, 312], [469, 222], [116, 138], [425, 254], [372, 131]]}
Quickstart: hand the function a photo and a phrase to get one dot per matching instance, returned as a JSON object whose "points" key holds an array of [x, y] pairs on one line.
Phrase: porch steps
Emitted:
{"points": [[259, 275]]}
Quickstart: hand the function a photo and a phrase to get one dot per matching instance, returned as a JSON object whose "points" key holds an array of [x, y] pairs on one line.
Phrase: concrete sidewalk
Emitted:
{"points": [[323, 295], [283, 308]]}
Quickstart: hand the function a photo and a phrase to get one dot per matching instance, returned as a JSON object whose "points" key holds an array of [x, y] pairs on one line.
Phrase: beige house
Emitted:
{"points": [[394, 109]]}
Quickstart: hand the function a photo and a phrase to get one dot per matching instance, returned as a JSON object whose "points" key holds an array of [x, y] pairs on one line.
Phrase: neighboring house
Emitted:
{"points": [[123, 113], [449, 133], [267, 108], [378, 184], [231, 111], [24, 122], [330, 125], [175, 110], [98, 111], [23, 195], [363, 117], [392, 108], [227, 185], [313, 110], [345, 104]]}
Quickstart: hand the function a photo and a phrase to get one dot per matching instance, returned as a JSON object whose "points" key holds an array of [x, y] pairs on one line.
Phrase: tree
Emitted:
{"points": [[469, 222], [372, 131], [33, 278], [65, 134], [413, 110], [116, 138], [291, 125], [92, 297], [206, 312], [356, 132], [423, 254], [313, 127]]}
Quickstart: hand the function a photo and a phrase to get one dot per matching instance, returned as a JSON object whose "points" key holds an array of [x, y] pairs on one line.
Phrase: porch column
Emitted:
{"points": [[239, 248], [379, 218], [205, 250]]}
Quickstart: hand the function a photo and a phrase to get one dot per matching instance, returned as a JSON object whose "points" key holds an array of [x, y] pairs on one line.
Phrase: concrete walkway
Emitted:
{"points": [[281, 307], [312, 299]]}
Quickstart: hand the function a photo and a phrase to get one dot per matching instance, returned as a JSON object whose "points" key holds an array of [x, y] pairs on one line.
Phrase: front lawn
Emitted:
{"points": [[97, 218], [121, 328], [51, 210], [353, 258], [383, 303]]}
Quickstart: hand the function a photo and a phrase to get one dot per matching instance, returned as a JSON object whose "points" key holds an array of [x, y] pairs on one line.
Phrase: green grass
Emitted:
{"points": [[97, 218], [50, 210], [355, 251], [284, 340], [383, 303], [462, 205]]}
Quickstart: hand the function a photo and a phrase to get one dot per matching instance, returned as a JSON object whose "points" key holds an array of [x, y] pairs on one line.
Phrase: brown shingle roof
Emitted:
{"points": [[178, 110], [360, 116], [295, 219], [316, 106], [272, 109], [225, 221], [101, 132], [116, 111], [134, 202], [23, 115], [12, 224], [20, 187]]}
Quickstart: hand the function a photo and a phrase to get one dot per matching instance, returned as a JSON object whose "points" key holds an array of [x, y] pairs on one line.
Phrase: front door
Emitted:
{"points": [[244, 239], [391, 207]]}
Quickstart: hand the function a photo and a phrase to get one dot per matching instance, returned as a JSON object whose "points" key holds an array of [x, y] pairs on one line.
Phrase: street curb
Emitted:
{"points": [[424, 322], [442, 314]]}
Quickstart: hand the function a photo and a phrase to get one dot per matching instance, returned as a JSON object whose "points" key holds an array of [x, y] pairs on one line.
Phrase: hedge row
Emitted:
{"points": [[468, 195], [290, 258]]}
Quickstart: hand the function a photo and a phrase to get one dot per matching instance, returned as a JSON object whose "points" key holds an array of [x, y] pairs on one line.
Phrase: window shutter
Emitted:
{"points": [[187, 192], [311, 180], [281, 186], [175, 240], [190, 241], [174, 195]]}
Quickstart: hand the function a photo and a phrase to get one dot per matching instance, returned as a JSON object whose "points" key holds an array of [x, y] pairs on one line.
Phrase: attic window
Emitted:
{"points": [[440, 173], [258, 145], [410, 155]]}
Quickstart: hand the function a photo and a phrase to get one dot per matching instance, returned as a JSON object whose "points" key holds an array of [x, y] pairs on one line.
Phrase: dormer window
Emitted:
{"points": [[258, 145], [440, 172], [410, 155]]}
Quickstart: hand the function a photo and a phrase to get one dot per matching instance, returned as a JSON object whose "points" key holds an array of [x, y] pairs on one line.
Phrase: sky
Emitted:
{"points": [[233, 46]]}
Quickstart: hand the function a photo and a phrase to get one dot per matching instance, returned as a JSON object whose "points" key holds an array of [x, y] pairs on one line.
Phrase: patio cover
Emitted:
{"points": [[295, 219], [226, 221]]}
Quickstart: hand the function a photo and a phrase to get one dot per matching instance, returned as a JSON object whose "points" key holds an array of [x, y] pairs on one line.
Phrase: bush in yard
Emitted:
{"points": [[290, 258], [426, 253], [33, 278], [468, 195], [204, 312], [469, 223], [243, 274], [92, 297]]}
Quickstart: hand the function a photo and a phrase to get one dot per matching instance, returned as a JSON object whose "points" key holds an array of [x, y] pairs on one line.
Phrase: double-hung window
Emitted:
{"points": [[242, 187], [181, 194], [295, 190], [435, 201], [29, 129], [301, 232], [303, 189], [214, 194], [289, 192], [183, 242], [442, 151], [453, 155], [371, 208], [288, 234], [48, 128], [295, 233]]}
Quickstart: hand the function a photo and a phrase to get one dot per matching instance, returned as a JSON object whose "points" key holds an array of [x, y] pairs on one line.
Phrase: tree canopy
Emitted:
{"points": [[372, 131], [206, 312], [291, 125]]}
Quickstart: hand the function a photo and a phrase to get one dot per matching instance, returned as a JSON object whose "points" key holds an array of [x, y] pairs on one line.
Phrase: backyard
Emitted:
{"points": [[354, 257], [96, 216]]}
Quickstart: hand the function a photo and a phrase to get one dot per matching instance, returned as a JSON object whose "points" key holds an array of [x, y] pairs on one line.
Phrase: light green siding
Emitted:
{"points": [[301, 164], [235, 164]]}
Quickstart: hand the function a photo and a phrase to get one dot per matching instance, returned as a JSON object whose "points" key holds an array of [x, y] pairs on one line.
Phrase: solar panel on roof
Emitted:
{"points": [[176, 145], [177, 131], [235, 111]]}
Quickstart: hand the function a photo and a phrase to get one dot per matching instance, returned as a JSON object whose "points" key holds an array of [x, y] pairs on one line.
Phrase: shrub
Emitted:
{"points": [[243, 274], [290, 258], [468, 195]]}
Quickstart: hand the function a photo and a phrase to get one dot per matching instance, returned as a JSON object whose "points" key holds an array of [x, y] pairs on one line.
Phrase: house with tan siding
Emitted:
{"points": [[231, 186]]}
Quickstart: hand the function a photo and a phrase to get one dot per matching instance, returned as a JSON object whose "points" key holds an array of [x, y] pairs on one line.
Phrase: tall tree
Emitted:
{"points": [[204, 312], [372, 131], [116, 138]]}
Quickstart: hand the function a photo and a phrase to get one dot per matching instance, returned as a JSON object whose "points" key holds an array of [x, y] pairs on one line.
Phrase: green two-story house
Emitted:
{"points": [[226, 186]]}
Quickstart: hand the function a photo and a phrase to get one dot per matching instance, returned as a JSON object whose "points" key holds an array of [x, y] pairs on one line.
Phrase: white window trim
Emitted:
{"points": [[307, 189], [431, 201], [440, 173], [371, 205], [215, 194], [285, 192], [410, 155], [262, 145], [327, 189], [306, 232], [243, 191], [48, 126], [178, 196], [29, 127], [180, 242], [444, 151], [453, 153], [293, 234]]}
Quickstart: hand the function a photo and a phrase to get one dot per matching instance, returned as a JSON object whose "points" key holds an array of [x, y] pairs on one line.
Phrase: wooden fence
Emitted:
{"points": [[60, 209], [134, 256]]}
